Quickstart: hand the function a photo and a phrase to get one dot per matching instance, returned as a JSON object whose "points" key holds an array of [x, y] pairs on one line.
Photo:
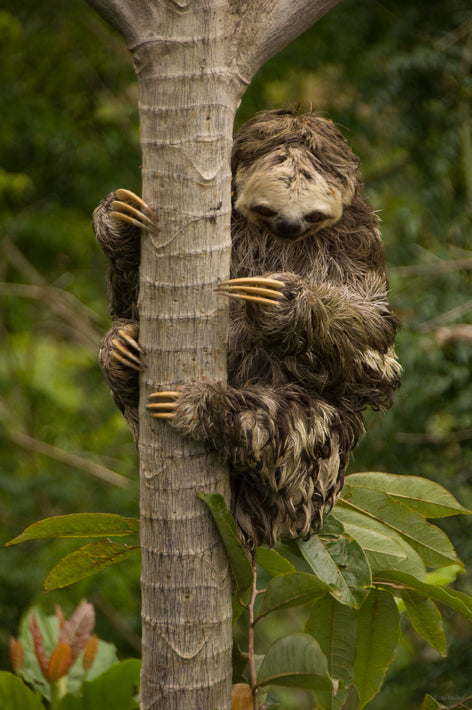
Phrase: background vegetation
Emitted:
{"points": [[396, 76]]}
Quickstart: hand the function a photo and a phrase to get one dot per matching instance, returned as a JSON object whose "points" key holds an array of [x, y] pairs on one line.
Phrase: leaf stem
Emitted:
{"points": [[54, 695], [252, 623]]}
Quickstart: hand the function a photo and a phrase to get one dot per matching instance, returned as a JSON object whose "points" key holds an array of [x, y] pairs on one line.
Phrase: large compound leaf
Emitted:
{"points": [[78, 525], [115, 689], [295, 660], [340, 563], [378, 632], [86, 561], [426, 619], [418, 494], [292, 589], [15, 695], [431, 543], [237, 556], [48, 624], [334, 626]]}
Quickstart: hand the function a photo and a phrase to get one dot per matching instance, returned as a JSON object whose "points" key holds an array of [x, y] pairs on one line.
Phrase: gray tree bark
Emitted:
{"points": [[193, 59]]}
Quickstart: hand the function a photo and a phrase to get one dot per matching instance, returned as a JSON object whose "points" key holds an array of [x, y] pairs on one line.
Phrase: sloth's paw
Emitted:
{"points": [[125, 349], [257, 289], [162, 409], [133, 210]]}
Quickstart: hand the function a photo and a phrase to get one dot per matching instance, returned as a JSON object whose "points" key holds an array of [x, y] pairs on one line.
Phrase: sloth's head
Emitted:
{"points": [[293, 174]]}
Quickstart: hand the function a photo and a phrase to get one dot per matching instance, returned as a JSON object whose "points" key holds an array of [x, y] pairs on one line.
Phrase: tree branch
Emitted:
{"points": [[95, 469], [131, 18], [267, 26]]}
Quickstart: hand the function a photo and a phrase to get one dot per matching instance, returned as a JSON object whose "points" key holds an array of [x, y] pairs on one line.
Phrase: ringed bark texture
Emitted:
{"points": [[187, 110]]}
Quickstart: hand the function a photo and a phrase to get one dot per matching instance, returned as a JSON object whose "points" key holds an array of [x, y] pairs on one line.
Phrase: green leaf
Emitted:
{"points": [[378, 632], [273, 562], [14, 694], [115, 689], [430, 703], [292, 589], [396, 580], [237, 555], [362, 526], [86, 561], [426, 619], [334, 626], [297, 661], [431, 543], [444, 575], [78, 525], [418, 494], [331, 526], [382, 551], [340, 563]]}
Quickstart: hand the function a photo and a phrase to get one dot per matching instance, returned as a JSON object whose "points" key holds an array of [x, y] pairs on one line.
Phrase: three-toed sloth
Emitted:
{"points": [[311, 340]]}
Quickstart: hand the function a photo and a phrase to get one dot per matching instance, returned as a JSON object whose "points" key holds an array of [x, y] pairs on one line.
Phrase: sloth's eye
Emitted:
{"points": [[315, 217], [264, 211]]}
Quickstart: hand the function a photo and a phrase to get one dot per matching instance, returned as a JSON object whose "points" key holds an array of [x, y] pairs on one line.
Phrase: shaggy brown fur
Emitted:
{"points": [[301, 371]]}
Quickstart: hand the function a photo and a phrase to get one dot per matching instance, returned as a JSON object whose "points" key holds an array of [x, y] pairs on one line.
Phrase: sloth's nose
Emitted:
{"points": [[289, 228]]}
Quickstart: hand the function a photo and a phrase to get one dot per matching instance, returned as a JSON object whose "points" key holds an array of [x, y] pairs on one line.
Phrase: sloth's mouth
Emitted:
{"points": [[287, 237]]}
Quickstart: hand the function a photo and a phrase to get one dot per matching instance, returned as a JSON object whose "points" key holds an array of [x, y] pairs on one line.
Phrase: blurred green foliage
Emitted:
{"points": [[396, 77]]}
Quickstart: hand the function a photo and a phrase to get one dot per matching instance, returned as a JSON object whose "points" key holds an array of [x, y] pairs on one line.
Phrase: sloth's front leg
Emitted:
{"points": [[258, 289], [118, 221], [277, 309], [292, 315]]}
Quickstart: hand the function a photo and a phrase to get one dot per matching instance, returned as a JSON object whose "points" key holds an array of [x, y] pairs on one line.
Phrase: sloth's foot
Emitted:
{"points": [[133, 210], [257, 289], [163, 409], [125, 350]]}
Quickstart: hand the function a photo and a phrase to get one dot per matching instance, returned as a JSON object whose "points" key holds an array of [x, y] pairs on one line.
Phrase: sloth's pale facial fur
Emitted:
{"points": [[285, 193]]}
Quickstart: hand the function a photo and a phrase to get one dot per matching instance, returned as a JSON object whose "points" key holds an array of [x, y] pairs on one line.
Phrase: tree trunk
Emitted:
{"points": [[193, 61]]}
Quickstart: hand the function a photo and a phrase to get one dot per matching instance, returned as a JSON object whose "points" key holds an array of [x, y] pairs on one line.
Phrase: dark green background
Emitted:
{"points": [[396, 77]]}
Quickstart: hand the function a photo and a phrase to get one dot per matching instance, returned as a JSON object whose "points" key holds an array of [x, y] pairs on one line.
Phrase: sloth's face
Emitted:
{"points": [[286, 194]]}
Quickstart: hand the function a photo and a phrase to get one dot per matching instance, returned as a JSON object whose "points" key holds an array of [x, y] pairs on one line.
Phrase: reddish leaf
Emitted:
{"points": [[38, 644], [17, 654], [60, 662], [76, 631], [241, 697], [90, 652], [60, 617]]}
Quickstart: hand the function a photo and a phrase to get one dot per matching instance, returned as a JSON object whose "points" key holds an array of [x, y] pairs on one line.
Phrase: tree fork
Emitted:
{"points": [[193, 59]]}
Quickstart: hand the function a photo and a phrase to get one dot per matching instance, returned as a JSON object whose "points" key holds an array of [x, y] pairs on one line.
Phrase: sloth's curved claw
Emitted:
{"points": [[127, 351], [141, 215], [258, 289], [163, 410]]}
